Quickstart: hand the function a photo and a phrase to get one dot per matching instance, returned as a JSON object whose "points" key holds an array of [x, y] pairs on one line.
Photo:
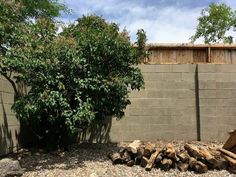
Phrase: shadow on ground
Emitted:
{"points": [[76, 157]]}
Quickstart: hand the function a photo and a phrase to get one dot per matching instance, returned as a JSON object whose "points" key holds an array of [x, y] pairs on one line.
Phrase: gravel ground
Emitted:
{"points": [[90, 160]]}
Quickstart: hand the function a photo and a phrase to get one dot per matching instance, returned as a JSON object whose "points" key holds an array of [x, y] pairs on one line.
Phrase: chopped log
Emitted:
{"points": [[201, 154], [197, 166], [139, 156], [193, 151], [134, 146], [122, 150], [170, 151], [231, 158], [151, 161], [231, 161], [222, 163], [228, 153], [231, 142], [182, 166], [148, 150], [116, 158], [166, 164], [144, 161], [208, 156], [130, 163], [159, 159], [233, 149], [232, 169], [125, 156], [183, 156]]}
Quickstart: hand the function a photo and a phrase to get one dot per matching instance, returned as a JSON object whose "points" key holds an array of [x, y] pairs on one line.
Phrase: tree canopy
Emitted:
{"points": [[214, 23], [16, 22], [75, 78]]}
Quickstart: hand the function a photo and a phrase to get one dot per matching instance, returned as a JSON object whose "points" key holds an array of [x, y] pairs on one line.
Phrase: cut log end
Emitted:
{"points": [[198, 166]]}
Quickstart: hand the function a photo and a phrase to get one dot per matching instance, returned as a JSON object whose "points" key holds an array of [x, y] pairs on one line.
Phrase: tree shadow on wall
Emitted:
{"points": [[26, 137], [6, 139], [99, 132]]}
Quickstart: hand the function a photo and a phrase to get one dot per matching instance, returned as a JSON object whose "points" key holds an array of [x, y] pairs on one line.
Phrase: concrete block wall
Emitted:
{"points": [[165, 109], [217, 99], [9, 125], [185, 101]]}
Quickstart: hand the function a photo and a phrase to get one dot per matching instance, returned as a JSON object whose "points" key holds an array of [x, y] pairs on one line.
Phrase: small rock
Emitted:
{"points": [[9, 167]]}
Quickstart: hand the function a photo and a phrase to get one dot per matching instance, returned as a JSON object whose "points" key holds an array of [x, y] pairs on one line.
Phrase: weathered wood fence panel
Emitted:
{"points": [[189, 53]]}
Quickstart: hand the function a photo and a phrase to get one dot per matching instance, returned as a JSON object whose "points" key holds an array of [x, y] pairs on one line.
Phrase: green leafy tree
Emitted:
{"points": [[76, 78], [16, 21], [215, 21]]}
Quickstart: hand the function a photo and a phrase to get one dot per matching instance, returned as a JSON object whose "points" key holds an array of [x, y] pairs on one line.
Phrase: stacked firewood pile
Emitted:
{"points": [[189, 157]]}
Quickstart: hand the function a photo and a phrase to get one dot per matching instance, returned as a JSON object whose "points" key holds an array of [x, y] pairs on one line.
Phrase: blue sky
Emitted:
{"points": [[165, 21]]}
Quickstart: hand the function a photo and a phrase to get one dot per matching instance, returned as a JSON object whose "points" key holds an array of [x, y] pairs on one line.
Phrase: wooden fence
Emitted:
{"points": [[190, 53]]}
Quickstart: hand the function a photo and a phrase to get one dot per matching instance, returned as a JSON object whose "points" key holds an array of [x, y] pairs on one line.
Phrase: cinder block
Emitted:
{"points": [[151, 85], [209, 132], [211, 120], [182, 128], [163, 68], [156, 94], [7, 98], [209, 102], [226, 93], [206, 68], [226, 68], [153, 111], [190, 77], [206, 85], [226, 111], [5, 109], [189, 119], [134, 120], [155, 68], [208, 111], [138, 94], [181, 68], [7, 87], [227, 120], [226, 85], [223, 77], [209, 135], [158, 134], [152, 102], [184, 111], [207, 76], [1, 85], [153, 76], [159, 119], [185, 102], [178, 85], [227, 102], [172, 76], [207, 93], [9, 120]]}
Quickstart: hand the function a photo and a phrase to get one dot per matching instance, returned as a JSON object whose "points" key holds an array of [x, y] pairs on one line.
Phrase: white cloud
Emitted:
{"points": [[161, 21], [166, 25]]}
